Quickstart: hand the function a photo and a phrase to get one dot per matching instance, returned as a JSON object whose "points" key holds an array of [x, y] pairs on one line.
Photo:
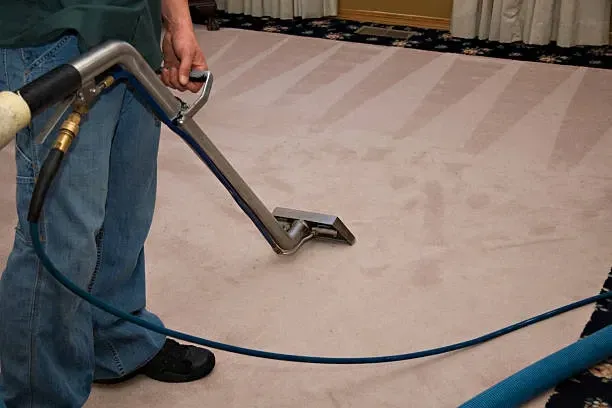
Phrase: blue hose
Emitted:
{"points": [[50, 267], [546, 373]]}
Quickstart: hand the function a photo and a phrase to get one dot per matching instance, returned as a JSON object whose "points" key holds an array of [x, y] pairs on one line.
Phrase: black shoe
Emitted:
{"points": [[175, 363]]}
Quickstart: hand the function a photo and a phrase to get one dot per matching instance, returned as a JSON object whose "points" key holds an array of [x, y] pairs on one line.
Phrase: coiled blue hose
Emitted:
{"points": [[583, 354]]}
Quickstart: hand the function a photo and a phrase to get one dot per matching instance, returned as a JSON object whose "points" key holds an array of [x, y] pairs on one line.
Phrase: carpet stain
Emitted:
{"points": [[233, 212], [455, 168], [376, 154], [231, 281], [589, 214], [411, 204], [419, 159], [334, 400], [399, 182], [427, 272], [528, 243], [478, 201], [542, 229], [279, 184], [434, 212], [376, 271], [340, 151]]}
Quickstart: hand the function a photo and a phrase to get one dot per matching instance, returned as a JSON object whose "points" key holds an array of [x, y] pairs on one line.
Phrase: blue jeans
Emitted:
{"points": [[93, 226]]}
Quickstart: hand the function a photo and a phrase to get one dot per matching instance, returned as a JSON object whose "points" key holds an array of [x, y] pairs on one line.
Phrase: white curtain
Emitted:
{"points": [[285, 9], [569, 22]]}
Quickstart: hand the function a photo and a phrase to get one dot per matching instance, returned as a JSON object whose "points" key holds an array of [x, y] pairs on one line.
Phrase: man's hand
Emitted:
{"points": [[180, 48]]}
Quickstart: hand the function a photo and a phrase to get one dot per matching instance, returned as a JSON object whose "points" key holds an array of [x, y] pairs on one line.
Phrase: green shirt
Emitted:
{"points": [[26, 23]]}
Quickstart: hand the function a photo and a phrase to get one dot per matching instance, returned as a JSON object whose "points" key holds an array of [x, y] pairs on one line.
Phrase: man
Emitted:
{"points": [[53, 345]]}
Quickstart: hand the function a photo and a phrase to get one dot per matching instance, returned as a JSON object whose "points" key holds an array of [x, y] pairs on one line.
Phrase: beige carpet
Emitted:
{"points": [[478, 189]]}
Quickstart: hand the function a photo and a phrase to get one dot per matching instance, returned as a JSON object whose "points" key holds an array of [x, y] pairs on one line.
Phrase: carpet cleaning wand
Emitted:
{"points": [[77, 85]]}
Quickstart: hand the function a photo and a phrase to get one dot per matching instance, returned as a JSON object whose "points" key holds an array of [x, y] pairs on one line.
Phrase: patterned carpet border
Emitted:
{"points": [[423, 39], [592, 388]]}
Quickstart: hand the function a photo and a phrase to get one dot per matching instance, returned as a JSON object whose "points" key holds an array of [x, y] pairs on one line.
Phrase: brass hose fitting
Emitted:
{"points": [[108, 82], [70, 128]]}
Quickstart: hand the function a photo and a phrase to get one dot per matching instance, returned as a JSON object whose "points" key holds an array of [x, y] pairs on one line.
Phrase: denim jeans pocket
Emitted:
{"points": [[40, 59], [26, 175], [26, 168]]}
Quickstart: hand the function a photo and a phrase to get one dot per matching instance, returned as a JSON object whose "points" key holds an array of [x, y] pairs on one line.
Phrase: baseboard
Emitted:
{"points": [[382, 17]]}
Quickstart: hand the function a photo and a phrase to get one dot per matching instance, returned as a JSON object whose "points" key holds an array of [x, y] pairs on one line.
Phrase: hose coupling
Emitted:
{"points": [[70, 128]]}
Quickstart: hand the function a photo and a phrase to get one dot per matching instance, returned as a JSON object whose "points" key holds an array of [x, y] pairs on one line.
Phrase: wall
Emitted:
{"points": [[420, 13], [428, 8]]}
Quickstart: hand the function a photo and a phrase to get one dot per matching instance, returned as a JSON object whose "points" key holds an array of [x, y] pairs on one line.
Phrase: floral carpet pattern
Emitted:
{"points": [[592, 388], [423, 39]]}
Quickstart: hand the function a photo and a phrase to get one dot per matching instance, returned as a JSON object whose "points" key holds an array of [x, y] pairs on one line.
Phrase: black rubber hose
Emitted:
{"points": [[43, 183], [50, 88]]}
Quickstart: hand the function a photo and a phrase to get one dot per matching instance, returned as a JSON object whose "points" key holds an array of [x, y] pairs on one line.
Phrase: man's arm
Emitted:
{"points": [[180, 47], [175, 13]]}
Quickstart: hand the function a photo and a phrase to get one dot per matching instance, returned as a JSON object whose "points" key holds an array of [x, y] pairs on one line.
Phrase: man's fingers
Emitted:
{"points": [[194, 86], [174, 79], [165, 76], [169, 77], [185, 67]]}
